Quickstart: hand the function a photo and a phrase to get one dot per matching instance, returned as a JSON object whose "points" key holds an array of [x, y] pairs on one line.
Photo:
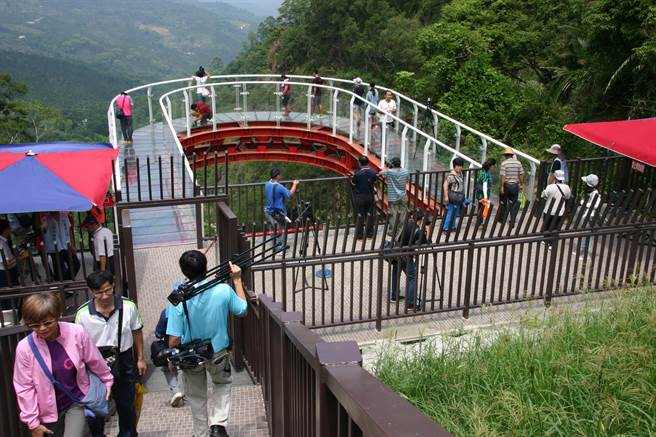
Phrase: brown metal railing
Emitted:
{"points": [[350, 281], [616, 174], [314, 388]]}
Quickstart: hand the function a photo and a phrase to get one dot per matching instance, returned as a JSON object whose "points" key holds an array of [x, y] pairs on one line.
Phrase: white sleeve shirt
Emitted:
{"points": [[386, 106], [103, 238]]}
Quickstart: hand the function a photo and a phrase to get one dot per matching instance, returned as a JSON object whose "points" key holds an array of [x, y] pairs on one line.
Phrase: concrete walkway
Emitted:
{"points": [[157, 270]]}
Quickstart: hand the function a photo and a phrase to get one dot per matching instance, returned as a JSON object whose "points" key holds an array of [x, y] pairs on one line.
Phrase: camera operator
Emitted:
{"points": [[206, 317], [275, 210]]}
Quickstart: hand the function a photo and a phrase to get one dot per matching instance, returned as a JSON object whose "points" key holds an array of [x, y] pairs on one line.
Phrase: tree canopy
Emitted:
{"points": [[516, 69]]}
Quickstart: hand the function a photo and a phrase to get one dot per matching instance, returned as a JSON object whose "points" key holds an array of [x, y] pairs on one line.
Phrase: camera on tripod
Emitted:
{"points": [[305, 212], [186, 356]]}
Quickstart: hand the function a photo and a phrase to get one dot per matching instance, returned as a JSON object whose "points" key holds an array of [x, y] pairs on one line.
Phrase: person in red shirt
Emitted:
{"points": [[201, 112]]}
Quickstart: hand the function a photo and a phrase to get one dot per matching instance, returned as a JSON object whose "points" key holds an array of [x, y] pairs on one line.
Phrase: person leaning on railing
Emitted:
{"points": [[68, 351], [208, 314]]}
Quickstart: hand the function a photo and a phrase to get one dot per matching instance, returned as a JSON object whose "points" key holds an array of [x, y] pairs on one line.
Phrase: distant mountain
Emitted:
{"points": [[142, 40], [79, 92], [258, 7]]}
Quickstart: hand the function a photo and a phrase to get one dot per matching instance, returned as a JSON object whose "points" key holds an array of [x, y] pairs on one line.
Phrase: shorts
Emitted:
{"points": [[285, 99]]}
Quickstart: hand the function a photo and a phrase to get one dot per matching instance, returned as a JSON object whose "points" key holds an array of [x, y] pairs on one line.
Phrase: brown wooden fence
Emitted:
{"points": [[315, 388]]}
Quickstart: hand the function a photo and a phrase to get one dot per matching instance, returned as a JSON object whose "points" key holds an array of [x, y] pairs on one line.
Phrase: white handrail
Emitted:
{"points": [[430, 140], [343, 81]]}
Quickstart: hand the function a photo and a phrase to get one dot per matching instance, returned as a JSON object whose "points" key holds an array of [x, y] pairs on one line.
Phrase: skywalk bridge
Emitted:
{"points": [[248, 124]]}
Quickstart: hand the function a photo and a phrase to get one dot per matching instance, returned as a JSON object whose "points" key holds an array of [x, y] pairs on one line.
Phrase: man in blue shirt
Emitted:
{"points": [[208, 314], [275, 210], [363, 182]]}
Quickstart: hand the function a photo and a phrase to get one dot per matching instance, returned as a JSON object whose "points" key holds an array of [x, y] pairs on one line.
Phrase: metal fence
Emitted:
{"points": [[616, 174], [335, 279]]}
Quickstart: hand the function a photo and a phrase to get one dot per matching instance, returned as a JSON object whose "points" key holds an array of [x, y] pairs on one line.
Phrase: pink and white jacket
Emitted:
{"points": [[34, 391]]}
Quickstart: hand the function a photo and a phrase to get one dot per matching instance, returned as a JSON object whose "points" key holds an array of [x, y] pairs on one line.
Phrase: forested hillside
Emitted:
{"points": [[145, 40], [516, 69], [75, 55]]}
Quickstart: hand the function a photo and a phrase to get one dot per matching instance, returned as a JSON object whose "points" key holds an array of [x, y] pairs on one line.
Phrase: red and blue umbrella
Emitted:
{"points": [[54, 177]]}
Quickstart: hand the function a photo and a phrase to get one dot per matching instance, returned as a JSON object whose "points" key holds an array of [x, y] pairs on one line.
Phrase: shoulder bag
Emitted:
{"points": [[112, 354], [95, 401], [456, 197]]}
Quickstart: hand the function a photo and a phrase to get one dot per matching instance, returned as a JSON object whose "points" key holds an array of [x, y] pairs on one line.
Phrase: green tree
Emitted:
{"points": [[14, 123]]}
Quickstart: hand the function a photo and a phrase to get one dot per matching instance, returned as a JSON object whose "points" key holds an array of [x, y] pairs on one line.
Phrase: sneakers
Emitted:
{"points": [[177, 400], [218, 431], [394, 299]]}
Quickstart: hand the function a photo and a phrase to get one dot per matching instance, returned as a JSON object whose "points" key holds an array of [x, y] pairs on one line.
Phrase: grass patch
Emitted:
{"points": [[586, 373]]}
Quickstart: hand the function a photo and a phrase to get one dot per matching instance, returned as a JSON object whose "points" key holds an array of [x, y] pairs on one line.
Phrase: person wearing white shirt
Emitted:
{"points": [[590, 204], [556, 196], [61, 249], [103, 244], [387, 105], [201, 77]]}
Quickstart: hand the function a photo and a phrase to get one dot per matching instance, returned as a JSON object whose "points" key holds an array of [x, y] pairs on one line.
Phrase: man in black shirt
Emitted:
{"points": [[363, 182], [413, 233], [316, 93]]}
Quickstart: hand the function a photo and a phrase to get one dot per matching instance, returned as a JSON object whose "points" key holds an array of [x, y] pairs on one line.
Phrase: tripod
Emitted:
{"points": [[305, 216]]}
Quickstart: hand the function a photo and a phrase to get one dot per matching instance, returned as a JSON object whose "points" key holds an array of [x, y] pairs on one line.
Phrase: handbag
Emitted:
{"points": [[119, 110], [94, 402], [156, 347], [456, 197], [112, 354]]}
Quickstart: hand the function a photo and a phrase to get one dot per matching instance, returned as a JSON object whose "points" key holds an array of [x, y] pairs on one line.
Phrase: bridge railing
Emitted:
{"points": [[431, 149], [440, 126]]}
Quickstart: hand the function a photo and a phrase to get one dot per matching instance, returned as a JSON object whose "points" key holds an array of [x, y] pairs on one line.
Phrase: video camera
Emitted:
{"points": [[221, 273], [305, 212], [186, 356]]}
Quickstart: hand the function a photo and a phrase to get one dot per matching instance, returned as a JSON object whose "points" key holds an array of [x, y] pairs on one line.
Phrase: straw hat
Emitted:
{"points": [[508, 151]]}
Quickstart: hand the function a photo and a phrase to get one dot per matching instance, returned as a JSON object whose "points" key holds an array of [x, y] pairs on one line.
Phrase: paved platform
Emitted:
{"points": [[157, 270]]}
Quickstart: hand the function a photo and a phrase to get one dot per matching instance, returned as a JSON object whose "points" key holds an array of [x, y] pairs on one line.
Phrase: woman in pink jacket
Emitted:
{"points": [[67, 351]]}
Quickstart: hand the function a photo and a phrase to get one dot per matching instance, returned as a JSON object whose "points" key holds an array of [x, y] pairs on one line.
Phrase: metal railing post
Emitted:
{"points": [[278, 115], [169, 109], [383, 141], [554, 238], [213, 97], [366, 131], [415, 121], [237, 107], [335, 354], [468, 278], [244, 94], [531, 183], [351, 119], [335, 100], [149, 93], [308, 115], [458, 138], [424, 165], [483, 149], [404, 143], [187, 112], [127, 251], [398, 113], [331, 108]]}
